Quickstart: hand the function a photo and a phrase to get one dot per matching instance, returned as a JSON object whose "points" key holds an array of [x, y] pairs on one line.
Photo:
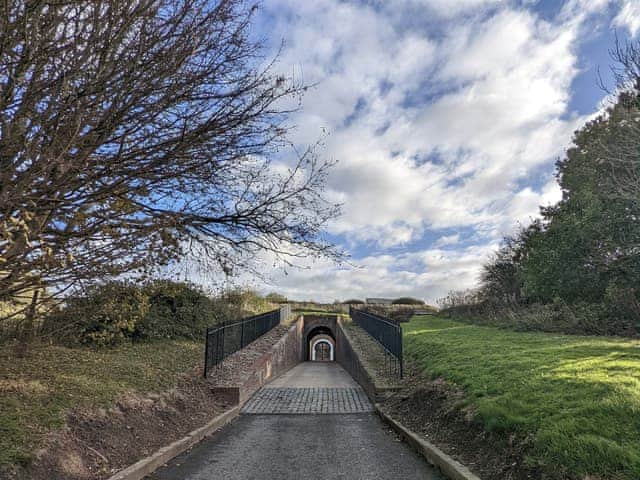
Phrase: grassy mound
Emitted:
{"points": [[579, 396]]}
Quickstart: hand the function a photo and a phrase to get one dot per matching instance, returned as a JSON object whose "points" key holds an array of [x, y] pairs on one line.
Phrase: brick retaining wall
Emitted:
{"points": [[284, 355]]}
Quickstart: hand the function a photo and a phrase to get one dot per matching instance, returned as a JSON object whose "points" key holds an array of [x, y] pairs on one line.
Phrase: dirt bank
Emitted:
{"points": [[432, 408], [96, 444]]}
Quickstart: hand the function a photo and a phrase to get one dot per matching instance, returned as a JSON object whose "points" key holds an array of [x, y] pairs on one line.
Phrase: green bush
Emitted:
{"points": [[109, 313], [274, 297], [616, 316], [104, 315], [353, 301], [623, 307], [402, 314], [176, 310], [237, 303]]}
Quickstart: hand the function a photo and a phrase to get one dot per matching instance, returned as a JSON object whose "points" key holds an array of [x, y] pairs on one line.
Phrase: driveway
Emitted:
{"points": [[313, 422]]}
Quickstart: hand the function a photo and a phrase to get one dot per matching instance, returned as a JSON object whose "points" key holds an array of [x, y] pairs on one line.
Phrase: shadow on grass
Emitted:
{"points": [[579, 396]]}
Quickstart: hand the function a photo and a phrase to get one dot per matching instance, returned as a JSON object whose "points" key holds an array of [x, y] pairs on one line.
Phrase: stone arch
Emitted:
{"points": [[316, 343], [318, 340], [315, 325]]}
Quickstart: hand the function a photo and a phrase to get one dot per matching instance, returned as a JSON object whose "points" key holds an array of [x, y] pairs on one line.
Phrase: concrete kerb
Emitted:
{"points": [[447, 465], [148, 465]]}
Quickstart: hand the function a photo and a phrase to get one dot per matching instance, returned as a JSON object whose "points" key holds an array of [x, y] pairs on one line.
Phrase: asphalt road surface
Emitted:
{"points": [[301, 445]]}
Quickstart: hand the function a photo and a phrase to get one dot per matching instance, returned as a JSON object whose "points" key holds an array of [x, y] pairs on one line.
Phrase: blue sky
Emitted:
{"points": [[446, 117]]}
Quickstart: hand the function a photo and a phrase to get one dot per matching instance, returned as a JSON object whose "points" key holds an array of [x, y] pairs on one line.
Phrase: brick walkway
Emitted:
{"points": [[308, 400]]}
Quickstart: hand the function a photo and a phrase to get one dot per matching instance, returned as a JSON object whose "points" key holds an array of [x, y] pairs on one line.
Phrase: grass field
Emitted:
{"points": [[38, 390], [579, 396]]}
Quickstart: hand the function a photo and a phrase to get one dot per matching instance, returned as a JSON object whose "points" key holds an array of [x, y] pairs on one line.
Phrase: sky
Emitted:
{"points": [[446, 118]]}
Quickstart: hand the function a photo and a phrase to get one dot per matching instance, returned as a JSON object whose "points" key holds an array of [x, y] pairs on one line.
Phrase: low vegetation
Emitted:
{"points": [[576, 398], [407, 301], [39, 388], [275, 297], [113, 312], [320, 308], [114, 338]]}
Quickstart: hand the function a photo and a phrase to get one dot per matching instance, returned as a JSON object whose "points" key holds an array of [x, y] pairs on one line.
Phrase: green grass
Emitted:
{"points": [[579, 396], [38, 390]]}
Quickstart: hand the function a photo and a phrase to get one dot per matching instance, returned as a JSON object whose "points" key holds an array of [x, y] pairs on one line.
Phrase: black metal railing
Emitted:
{"points": [[386, 332], [224, 339]]}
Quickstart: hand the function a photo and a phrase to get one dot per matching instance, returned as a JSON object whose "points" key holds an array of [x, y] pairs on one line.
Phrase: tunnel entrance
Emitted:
{"points": [[322, 351], [321, 345]]}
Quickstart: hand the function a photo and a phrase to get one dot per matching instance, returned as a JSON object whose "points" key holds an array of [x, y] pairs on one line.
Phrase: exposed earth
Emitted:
{"points": [[96, 444], [431, 408]]}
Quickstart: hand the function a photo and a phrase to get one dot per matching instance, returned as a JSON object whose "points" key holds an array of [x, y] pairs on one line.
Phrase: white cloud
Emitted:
{"points": [[445, 9], [428, 274], [506, 79], [629, 16], [447, 240], [443, 114]]}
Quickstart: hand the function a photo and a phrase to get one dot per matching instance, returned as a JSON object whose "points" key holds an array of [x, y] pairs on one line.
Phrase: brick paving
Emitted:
{"points": [[308, 400]]}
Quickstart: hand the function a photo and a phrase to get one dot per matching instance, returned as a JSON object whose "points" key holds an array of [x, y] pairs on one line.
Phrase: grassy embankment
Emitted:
{"points": [[38, 390], [579, 396]]}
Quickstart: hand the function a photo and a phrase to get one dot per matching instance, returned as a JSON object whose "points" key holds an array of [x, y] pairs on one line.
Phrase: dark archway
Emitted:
{"points": [[316, 325], [320, 344]]}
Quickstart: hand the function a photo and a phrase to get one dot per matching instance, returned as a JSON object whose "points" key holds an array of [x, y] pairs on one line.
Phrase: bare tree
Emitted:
{"points": [[618, 149], [131, 130]]}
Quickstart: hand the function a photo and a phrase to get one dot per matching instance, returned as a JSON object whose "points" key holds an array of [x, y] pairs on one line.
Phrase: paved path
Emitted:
{"points": [[314, 374], [310, 388], [308, 400], [302, 446]]}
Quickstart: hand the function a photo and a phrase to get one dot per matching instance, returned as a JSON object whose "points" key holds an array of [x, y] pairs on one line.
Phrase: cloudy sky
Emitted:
{"points": [[446, 117]]}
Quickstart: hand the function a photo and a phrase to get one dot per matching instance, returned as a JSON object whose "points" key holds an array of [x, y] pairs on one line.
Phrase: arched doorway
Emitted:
{"points": [[322, 350], [321, 345]]}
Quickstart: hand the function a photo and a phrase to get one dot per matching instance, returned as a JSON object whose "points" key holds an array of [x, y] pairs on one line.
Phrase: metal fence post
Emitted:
{"points": [[206, 352], [401, 354]]}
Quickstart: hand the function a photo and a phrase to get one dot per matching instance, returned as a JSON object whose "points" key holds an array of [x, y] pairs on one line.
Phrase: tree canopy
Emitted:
{"points": [[134, 133], [585, 251]]}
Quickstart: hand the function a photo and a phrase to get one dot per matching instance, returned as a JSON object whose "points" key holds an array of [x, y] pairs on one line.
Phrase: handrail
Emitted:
{"points": [[224, 339], [385, 331]]}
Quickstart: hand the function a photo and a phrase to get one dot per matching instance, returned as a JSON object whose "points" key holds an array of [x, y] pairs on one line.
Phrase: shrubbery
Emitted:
{"points": [[275, 297], [103, 315], [118, 311], [407, 301], [176, 310], [556, 316]]}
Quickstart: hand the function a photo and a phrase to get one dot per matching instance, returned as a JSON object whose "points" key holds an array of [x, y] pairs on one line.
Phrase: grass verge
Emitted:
{"points": [[578, 396], [38, 390]]}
